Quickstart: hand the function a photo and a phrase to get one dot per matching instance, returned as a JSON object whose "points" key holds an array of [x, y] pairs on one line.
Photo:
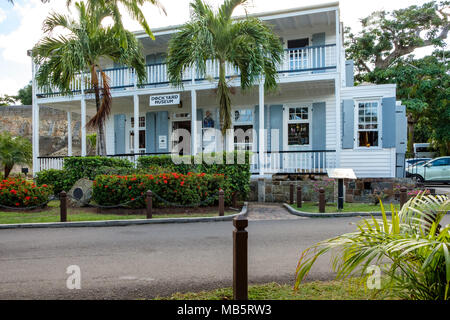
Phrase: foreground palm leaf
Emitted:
{"points": [[86, 42], [412, 248], [246, 44]]}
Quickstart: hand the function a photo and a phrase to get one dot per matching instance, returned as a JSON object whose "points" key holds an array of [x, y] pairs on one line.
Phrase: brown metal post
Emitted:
{"points": [[322, 200], [299, 197], [291, 194], [63, 206], [240, 259], [149, 200], [403, 197], [221, 203]]}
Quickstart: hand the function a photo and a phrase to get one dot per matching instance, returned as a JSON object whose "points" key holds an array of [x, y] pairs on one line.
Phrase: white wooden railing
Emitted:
{"points": [[295, 61]]}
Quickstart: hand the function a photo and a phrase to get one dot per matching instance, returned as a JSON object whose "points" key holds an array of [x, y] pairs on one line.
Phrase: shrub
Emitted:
{"points": [[237, 176], [87, 167], [21, 193], [60, 180], [189, 189]]}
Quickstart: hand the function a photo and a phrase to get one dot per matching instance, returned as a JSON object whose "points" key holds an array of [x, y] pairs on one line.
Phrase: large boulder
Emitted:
{"points": [[81, 193]]}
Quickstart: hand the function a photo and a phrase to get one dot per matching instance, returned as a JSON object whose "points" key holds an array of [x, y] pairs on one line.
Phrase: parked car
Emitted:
{"points": [[416, 161], [437, 170]]}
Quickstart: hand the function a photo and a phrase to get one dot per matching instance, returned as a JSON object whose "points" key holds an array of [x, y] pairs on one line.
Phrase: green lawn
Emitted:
{"points": [[52, 215], [313, 207], [352, 289]]}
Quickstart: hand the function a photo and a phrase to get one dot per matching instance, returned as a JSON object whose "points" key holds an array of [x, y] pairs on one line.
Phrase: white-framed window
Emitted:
{"points": [[368, 124], [141, 135], [299, 125], [243, 124]]}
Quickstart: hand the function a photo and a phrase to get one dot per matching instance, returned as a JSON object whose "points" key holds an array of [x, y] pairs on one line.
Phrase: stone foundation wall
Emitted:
{"points": [[277, 189]]}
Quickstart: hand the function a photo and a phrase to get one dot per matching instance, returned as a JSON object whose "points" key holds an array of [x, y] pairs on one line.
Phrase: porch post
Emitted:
{"points": [[83, 118], [136, 123], [194, 143], [69, 133], [337, 86], [35, 121], [261, 137]]}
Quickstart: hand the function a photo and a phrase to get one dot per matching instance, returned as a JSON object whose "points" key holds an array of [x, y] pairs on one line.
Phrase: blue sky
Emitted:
{"points": [[20, 26]]}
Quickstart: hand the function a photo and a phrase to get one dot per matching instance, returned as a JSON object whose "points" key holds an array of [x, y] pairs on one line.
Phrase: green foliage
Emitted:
{"points": [[247, 44], [60, 180], [237, 175], [21, 193], [7, 100], [25, 95], [14, 150], [189, 189], [412, 249]]}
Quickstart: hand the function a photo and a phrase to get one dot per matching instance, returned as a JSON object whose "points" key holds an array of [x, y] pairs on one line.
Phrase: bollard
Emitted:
{"points": [[291, 194], [234, 199], [240, 259], [403, 197], [63, 206], [221, 203], [149, 200], [299, 197], [322, 200]]}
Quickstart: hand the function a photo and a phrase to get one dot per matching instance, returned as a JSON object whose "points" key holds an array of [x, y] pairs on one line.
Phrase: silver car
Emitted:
{"points": [[437, 170]]}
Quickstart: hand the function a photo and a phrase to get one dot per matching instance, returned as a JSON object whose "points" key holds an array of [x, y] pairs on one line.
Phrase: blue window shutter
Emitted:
{"points": [[389, 122], [276, 123], [348, 126], [319, 134], [150, 129], [318, 39], [119, 133], [162, 129], [349, 73]]}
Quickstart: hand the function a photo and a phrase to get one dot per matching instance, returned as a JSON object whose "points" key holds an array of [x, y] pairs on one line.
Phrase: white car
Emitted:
{"points": [[437, 170]]}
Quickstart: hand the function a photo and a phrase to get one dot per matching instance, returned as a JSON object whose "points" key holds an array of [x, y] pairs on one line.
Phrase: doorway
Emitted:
{"points": [[179, 139]]}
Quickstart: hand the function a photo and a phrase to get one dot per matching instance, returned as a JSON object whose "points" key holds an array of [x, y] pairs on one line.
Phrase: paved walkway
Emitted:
{"points": [[269, 211]]}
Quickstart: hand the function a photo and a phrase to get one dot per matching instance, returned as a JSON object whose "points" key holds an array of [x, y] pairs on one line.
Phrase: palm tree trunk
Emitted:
{"points": [[100, 146], [8, 170], [224, 102]]}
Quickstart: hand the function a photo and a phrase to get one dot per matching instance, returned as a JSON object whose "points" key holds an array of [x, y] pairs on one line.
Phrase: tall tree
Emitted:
{"points": [[247, 44], [25, 95], [87, 42], [387, 36], [134, 9]]}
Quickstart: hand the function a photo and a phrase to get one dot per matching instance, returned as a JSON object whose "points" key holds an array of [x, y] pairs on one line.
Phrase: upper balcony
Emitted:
{"points": [[296, 61]]}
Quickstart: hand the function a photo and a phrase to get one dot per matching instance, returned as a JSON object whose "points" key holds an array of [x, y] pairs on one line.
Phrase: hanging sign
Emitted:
{"points": [[165, 99]]}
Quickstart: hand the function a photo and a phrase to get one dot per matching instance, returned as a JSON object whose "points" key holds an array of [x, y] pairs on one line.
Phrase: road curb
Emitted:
{"points": [[333, 215], [123, 223]]}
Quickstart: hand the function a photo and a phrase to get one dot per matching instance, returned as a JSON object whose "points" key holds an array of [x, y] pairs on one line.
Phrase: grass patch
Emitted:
{"points": [[348, 207], [351, 289], [51, 214]]}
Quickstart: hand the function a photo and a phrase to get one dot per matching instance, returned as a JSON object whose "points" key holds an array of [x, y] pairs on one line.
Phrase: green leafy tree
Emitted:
{"points": [[247, 44], [14, 150], [25, 95], [87, 43], [412, 249]]}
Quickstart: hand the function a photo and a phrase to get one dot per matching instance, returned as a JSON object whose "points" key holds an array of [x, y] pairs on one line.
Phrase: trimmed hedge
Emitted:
{"points": [[21, 193], [60, 180], [237, 176], [189, 189]]}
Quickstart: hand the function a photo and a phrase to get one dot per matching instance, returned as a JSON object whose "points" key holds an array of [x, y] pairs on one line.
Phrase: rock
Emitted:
{"points": [[81, 193]]}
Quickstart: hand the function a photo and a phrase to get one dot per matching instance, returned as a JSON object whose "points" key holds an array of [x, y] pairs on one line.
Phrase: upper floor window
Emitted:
{"points": [[299, 126], [368, 124]]}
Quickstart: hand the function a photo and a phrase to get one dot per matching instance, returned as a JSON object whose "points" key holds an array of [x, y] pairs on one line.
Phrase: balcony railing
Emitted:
{"points": [[288, 162], [314, 59]]}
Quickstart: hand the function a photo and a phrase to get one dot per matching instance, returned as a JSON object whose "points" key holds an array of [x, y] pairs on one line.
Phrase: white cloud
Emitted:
{"points": [[16, 65]]}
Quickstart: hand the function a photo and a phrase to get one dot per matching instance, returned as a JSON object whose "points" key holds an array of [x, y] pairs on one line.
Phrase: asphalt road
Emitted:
{"points": [[146, 261]]}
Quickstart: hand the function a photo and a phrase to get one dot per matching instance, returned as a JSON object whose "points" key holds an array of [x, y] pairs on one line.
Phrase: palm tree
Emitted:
{"points": [[134, 10], [61, 57], [413, 248], [14, 150], [247, 44]]}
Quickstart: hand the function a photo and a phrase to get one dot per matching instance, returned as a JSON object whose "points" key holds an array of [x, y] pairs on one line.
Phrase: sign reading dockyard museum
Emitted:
{"points": [[165, 99]]}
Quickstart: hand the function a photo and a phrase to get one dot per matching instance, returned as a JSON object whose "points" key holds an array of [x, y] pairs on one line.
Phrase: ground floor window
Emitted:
{"points": [[243, 129], [299, 125], [141, 132], [368, 124]]}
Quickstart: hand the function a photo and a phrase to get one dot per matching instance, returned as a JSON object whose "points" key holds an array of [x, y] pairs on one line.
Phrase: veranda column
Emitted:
{"points": [[136, 123], [69, 133], [261, 137], [83, 118], [194, 142], [35, 122], [337, 86]]}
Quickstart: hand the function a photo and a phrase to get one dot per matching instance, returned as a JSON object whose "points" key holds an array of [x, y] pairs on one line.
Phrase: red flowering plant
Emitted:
{"points": [[168, 188], [22, 193]]}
